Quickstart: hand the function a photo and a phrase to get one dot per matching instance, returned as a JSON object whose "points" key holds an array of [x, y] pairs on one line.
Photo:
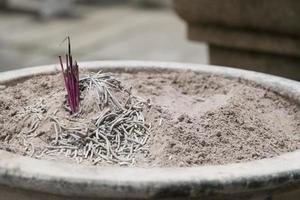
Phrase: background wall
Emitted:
{"points": [[99, 30]]}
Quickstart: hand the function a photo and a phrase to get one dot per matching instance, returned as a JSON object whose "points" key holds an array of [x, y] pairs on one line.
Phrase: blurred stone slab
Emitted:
{"points": [[261, 35], [243, 39], [286, 66], [267, 15]]}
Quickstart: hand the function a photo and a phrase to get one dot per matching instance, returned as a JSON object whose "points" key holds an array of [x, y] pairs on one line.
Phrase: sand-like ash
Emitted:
{"points": [[196, 119], [112, 133]]}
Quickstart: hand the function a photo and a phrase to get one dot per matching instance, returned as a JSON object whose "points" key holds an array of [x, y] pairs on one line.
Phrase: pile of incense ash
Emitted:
{"points": [[114, 134]]}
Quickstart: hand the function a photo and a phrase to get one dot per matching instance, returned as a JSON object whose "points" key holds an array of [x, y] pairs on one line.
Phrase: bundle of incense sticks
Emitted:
{"points": [[71, 79]]}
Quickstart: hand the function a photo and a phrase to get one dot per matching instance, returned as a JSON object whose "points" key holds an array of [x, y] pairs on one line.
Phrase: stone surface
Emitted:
{"points": [[275, 178], [267, 15], [286, 66], [259, 41], [10, 193], [261, 35], [265, 52]]}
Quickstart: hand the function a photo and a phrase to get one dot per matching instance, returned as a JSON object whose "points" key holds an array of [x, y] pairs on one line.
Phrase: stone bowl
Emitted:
{"points": [[275, 178]]}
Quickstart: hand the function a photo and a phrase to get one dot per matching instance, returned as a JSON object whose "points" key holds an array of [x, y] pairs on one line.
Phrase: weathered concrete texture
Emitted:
{"points": [[10, 193], [286, 66], [261, 35], [243, 39], [280, 16]]}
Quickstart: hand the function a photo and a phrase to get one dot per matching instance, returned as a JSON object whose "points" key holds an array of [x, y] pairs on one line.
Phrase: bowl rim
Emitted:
{"points": [[133, 182]]}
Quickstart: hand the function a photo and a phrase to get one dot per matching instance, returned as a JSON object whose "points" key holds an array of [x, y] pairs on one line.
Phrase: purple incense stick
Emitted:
{"points": [[71, 79]]}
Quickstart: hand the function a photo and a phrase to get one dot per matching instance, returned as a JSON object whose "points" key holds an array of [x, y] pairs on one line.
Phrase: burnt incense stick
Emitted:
{"points": [[71, 79]]}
